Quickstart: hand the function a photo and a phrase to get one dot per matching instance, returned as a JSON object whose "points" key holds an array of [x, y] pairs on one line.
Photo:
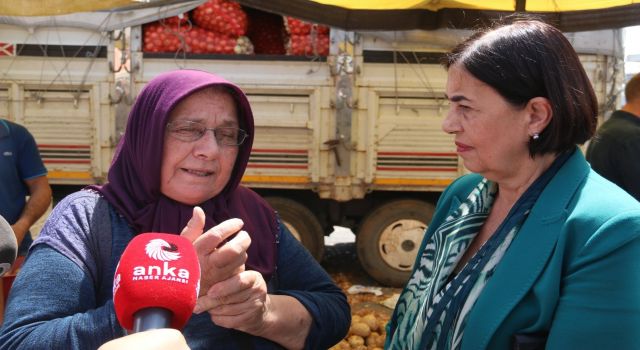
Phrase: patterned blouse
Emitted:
{"points": [[434, 278]]}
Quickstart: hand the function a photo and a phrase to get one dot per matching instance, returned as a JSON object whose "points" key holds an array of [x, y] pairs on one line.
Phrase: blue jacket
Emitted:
{"points": [[573, 269]]}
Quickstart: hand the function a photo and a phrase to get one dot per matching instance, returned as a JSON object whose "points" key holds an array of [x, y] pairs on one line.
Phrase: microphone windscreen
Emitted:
{"points": [[157, 270], [8, 246]]}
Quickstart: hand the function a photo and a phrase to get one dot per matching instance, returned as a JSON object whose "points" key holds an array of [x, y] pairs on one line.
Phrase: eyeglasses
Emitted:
{"points": [[190, 131]]}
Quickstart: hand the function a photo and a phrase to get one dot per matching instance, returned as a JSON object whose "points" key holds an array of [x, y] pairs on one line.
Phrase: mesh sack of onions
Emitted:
{"points": [[171, 38], [296, 26], [308, 45], [221, 16]]}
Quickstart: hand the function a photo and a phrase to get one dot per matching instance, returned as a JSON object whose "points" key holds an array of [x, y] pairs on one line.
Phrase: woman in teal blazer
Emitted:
{"points": [[535, 250]]}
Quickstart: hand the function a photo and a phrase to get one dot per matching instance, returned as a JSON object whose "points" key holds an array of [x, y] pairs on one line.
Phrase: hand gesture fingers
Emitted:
{"points": [[225, 260], [235, 290], [215, 236], [239, 302], [195, 226], [232, 253]]}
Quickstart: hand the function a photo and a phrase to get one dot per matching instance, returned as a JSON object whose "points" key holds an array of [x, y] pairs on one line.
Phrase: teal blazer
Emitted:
{"points": [[573, 270]]}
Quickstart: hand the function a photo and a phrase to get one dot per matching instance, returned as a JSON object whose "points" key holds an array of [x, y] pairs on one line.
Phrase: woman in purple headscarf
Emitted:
{"points": [[177, 169]]}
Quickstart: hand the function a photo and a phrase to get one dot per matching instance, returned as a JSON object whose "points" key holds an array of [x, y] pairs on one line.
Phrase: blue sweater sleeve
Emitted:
{"points": [[55, 310], [299, 275]]}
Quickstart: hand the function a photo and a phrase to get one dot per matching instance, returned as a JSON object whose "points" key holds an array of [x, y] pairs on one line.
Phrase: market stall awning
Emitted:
{"points": [[63, 7], [568, 15], [56, 7], [104, 20], [501, 5]]}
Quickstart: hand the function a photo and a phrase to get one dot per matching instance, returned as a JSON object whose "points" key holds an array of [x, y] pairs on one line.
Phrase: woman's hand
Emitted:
{"points": [[236, 298], [240, 302], [219, 260]]}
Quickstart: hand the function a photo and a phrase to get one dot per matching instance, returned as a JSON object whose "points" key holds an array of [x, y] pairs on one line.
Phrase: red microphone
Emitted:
{"points": [[156, 282]]}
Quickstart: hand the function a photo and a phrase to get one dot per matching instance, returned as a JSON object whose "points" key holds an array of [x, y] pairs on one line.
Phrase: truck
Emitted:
{"points": [[349, 139]]}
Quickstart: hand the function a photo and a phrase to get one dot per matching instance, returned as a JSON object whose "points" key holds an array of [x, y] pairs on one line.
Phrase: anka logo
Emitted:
{"points": [[159, 249]]}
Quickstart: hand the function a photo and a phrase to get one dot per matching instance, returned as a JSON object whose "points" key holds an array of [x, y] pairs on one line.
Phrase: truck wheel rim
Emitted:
{"points": [[399, 243]]}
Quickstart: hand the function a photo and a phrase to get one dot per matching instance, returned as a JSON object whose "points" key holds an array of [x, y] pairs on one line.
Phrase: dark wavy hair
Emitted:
{"points": [[528, 58]]}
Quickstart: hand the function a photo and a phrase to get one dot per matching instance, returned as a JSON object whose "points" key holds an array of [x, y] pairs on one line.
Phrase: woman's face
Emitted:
{"points": [[491, 135], [195, 171]]}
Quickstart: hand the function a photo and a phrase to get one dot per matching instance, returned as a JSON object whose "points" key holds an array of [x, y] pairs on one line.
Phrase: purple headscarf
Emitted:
{"points": [[134, 177]]}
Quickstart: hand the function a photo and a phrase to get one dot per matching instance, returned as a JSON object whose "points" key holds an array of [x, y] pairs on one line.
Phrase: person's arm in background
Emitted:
{"points": [[33, 172], [38, 203]]}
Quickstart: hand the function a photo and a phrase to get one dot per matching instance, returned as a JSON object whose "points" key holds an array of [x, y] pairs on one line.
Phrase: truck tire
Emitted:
{"points": [[304, 226], [389, 238]]}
